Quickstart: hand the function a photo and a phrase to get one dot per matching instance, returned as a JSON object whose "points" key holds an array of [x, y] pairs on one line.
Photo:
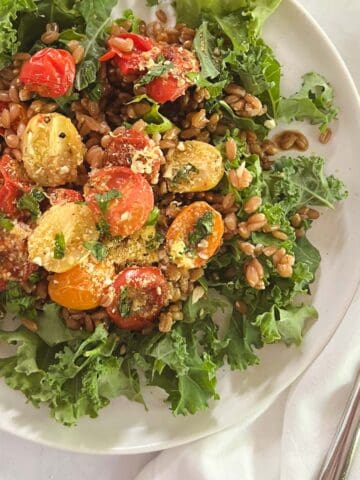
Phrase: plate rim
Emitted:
{"points": [[260, 406]]}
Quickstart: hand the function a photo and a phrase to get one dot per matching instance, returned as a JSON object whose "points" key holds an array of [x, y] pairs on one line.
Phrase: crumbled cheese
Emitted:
{"points": [[203, 243], [124, 216], [158, 290], [270, 124], [38, 261], [64, 169], [197, 293], [203, 256]]}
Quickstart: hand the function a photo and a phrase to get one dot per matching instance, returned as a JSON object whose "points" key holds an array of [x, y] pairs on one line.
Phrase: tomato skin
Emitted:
{"points": [[125, 145], [14, 260], [165, 89], [171, 86], [14, 173], [57, 196], [49, 72], [178, 233], [128, 213], [8, 196], [80, 288], [128, 62], [146, 283]]}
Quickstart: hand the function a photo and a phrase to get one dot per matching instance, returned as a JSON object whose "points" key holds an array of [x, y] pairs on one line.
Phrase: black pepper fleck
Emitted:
{"points": [[62, 135]]}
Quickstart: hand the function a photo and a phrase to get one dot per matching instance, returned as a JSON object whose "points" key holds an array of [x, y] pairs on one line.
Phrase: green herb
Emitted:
{"points": [[204, 44], [103, 199], [104, 227], [203, 228], [10, 11], [97, 17], [125, 303], [161, 67], [18, 302], [59, 247], [313, 102], [34, 278], [155, 242], [31, 201], [153, 216], [128, 14], [156, 122], [6, 223], [152, 3], [183, 172], [97, 249]]}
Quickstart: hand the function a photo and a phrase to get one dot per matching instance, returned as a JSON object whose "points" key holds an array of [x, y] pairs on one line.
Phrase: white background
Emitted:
{"points": [[22, 459]]}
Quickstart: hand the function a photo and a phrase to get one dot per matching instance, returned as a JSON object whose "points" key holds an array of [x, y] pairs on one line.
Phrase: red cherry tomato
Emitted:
{"points": [[14, 173], [49, 72], [58, 196], [140, 293], [14, 259], [126, 144], [126, 213], [8, 196], [129, 62], [169, 87]]}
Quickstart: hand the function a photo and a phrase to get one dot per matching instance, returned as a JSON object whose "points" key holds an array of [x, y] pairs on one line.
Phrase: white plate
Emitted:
{"points": [[125, 427]]}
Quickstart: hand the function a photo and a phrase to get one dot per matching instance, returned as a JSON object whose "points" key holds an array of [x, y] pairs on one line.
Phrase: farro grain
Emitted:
{"points": [[269, 251], [231, 149], [230, 222], [5, 118], [29, 324], [279, 235], [278, 255], [284, 271], [161, 15], [243, 230], [241, 307], [247, 248], [325, 137], [252, 204], [12, 140], [296, 220], [50, 37]]}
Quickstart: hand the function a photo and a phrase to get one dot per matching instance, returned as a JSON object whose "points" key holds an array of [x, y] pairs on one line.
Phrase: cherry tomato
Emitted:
{"points": [[140, 293], [50, 72], [129, 63], [82, 287], [169, 87], [188, 222], [8, 196], [124, 147], [57, 196], [14, 173], [14, 261], [131, 199]]}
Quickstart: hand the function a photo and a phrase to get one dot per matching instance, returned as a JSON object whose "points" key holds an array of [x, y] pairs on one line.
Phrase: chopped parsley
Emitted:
{"points": [[155, 242], [103, 199], [162, 67], [18, 302], [153, 216], [125, 303], [31, 201], [203, 228], [34, 277], [103, 227], [6, 223], [183, 172], [97, 249], [59, 248]]}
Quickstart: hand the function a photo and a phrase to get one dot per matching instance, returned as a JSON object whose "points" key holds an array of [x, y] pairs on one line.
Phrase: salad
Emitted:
{"points": [[153, 228]]}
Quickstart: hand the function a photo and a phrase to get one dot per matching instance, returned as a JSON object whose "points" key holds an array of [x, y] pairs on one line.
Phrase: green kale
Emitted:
{"points": [[203, 228], [103, 199], [97, 249], [31, 201]]}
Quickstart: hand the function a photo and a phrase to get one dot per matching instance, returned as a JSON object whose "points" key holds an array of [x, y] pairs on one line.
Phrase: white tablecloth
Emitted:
{"points": [[22, 459]]}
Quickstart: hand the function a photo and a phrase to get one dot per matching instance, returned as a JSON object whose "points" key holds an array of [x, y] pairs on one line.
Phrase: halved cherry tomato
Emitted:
{"points": [[129, 145], [14, 260], [57, 196], [8, 196], [129, 63], [127, 212], [169, 87], [140, 293], [188, 222], [50, 72], [82, 287], [14, 173]]}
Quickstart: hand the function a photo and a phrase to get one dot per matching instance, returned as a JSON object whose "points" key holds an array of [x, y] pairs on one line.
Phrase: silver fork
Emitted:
{"points": [[338, 460]]}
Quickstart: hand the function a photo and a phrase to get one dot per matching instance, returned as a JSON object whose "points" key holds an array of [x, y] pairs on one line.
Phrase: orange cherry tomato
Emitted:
{"points": [[50, 72], [82, 287], [195, 235], [129, 144], [131, 203], [140, 293]]}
